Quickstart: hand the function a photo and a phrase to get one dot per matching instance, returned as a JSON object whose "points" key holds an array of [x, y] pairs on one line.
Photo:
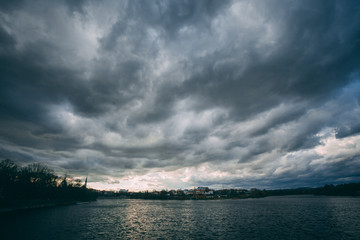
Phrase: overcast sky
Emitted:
{"points": [[174, 94]]}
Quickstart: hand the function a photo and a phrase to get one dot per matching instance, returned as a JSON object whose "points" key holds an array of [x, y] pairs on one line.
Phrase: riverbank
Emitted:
{"points": [[20, 206]]}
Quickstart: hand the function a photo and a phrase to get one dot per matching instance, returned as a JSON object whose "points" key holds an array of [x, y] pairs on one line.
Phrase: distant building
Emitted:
{"points": [[203, 193]]}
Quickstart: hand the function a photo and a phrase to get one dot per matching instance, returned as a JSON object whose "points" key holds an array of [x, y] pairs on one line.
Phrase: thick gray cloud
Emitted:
{"points": [[161, 94]]}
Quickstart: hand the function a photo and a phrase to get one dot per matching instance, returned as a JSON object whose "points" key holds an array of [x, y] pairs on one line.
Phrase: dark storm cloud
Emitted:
{"points": [[29, 84], [314, 56], [76, 5], [7, 42], [122, 86], [345, 131], [11, 5], [347, 169], [171, 16], [277, 119]]}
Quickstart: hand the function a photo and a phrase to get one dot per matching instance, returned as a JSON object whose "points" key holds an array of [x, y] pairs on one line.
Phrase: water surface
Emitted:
{"points": [[287, 217]]}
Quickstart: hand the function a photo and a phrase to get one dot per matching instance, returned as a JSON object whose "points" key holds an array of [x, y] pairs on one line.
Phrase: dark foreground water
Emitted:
{"points": [[290, 217]]}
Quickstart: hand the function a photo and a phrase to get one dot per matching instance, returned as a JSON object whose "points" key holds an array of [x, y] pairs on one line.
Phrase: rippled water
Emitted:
{"points": [[290, 217]]}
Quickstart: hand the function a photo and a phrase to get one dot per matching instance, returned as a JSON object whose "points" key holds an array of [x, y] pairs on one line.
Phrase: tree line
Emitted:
{"points": [[346, 189], [37, 181]]}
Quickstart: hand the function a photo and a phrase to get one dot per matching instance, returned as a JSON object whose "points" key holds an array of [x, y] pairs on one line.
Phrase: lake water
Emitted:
{"points": [[287, 217]]}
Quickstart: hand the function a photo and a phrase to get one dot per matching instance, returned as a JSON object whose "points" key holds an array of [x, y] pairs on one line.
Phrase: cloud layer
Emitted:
{"points": [[174, 94]]}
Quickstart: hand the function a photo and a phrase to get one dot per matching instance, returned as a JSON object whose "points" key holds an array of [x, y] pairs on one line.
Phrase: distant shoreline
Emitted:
{"points": [[221, 199], [205, 193]]}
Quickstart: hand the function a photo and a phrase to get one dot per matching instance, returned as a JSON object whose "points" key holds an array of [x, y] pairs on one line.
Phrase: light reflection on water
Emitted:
{"points": [[300, 217]]}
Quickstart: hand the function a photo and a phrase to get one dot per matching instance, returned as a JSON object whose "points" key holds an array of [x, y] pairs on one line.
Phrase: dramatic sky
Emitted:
{"points": [[173, 94]]}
